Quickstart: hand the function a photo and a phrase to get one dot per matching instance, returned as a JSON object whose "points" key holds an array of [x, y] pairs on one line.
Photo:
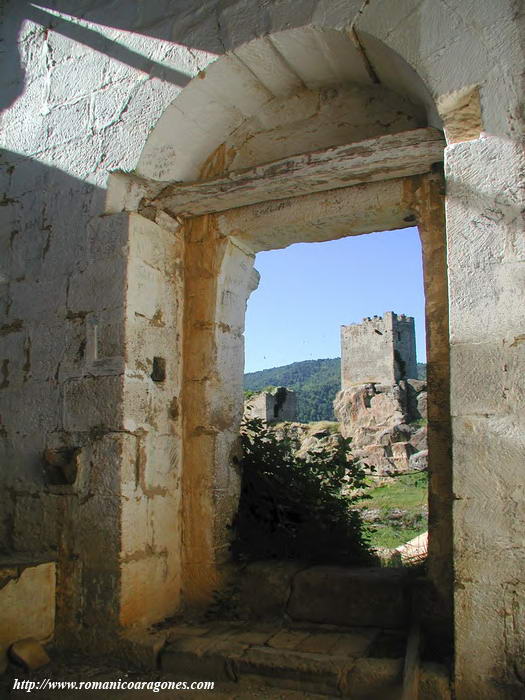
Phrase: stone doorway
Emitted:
{"points": [[299, 313], [219, 261], [311, 163]]}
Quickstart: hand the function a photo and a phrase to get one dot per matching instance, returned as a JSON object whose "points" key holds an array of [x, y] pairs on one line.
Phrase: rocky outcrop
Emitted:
{"points": [[384, 422], [310, 437]]}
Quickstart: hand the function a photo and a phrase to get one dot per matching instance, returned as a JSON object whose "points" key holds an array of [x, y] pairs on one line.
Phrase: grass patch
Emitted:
{"points": [[390, 536], [407, 493]]}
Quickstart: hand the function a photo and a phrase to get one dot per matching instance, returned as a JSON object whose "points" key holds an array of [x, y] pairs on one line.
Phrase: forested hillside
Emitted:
{"points": [[315, 381]]}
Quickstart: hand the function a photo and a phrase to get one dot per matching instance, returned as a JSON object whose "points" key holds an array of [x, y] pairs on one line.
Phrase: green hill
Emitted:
{"points": [[315, 381]]}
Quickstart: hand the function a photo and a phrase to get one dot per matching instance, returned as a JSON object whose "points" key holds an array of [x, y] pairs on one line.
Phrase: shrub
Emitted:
{"points": [[298, 507]]}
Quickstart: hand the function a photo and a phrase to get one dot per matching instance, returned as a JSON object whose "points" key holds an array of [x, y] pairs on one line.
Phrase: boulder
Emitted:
{"points": [[380, 419], [419, 439], [419, 461]]}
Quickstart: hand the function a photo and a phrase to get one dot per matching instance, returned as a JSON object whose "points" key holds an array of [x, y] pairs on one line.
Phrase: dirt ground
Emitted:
{"points": [[79, 669]]}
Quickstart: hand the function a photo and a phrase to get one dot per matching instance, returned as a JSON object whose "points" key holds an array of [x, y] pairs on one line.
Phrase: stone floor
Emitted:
{"points": [[246, 660]]}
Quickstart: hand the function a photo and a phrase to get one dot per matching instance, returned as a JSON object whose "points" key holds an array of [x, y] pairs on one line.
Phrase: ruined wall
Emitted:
{"points": [[272, 406], [379, 350], [83, 85], [405, 347]]}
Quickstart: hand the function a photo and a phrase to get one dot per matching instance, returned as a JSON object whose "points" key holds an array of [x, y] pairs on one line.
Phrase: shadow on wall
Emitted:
{"points": [[43, 335], [169, 21]]}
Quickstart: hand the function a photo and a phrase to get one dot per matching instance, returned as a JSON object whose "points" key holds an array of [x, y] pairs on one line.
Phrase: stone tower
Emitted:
{"points": [[380, 350]]}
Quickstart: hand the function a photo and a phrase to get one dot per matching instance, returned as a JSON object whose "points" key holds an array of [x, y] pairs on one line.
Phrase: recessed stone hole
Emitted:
{"points": [[158, 373], [61, 465]]}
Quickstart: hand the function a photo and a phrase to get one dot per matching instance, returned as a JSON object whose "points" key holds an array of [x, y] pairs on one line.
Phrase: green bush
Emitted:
{"points": [[298, 508]]}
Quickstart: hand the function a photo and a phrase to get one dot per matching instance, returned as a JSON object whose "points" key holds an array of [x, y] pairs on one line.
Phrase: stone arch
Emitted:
{"points": [[306, 88], [237, 86], [477, 98]]}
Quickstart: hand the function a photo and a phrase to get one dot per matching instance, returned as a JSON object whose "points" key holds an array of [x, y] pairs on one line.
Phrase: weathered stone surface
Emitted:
{"points": [[434, 682], [374, 678], [307, 658], [280, 404], [406, 153], [288, 639], [29, 653], [358, 597], [418, 439], [419, 461], [82, 112], [265, 588], [380, 350], [378, 418], [293, 669], [27, 602]]}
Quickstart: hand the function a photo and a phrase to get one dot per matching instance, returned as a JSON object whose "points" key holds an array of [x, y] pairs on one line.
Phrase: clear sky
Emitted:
{"points": [[309, 290]]}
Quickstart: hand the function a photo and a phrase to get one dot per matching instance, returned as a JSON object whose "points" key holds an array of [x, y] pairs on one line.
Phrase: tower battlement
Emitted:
{"points": [[380, 350]]}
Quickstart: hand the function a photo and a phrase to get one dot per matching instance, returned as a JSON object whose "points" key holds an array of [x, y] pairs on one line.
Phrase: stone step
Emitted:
{"points": [[314, 659], [368, 597], [345, 596]]}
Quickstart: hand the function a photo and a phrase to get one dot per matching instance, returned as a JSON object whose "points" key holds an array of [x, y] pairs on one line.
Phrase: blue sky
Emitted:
{"points": [[307, 291]]}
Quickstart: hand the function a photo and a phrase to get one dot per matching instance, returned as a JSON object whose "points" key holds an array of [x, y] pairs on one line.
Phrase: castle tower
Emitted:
{"points": [[380, 350]]}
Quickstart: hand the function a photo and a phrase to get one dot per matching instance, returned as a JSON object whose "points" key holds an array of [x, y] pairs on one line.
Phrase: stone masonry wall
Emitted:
{"points": [[379, 350], [83, 84]]}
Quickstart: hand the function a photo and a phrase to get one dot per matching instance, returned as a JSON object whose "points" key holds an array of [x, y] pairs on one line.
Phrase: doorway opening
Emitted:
{"points": [[303, 326]]}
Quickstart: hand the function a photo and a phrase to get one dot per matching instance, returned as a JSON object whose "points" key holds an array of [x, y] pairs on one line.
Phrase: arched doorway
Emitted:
{"points": [[382, 177]]}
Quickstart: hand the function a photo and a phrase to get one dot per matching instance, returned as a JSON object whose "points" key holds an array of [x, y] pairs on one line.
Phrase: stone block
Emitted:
{"points": [[35, 526], [288, 639], [480, 232], [39, 300], [374, 678], [310, 673], [318, 643], [363, 597], [27, 601], [165, 521], [156, 247], [265, 588], [161, 462], [485, 377], [148, 293], [254, 635], [401, 452], [57, 348], [149, 338], [419, 461], [142, 647], [146, 404], [29, 653], [15, 358], [108, 236], [31, 411], [99, 287], [434, 682], [419, 439], [136, 527], [194, 667], [150, 588], [93, 402]]}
